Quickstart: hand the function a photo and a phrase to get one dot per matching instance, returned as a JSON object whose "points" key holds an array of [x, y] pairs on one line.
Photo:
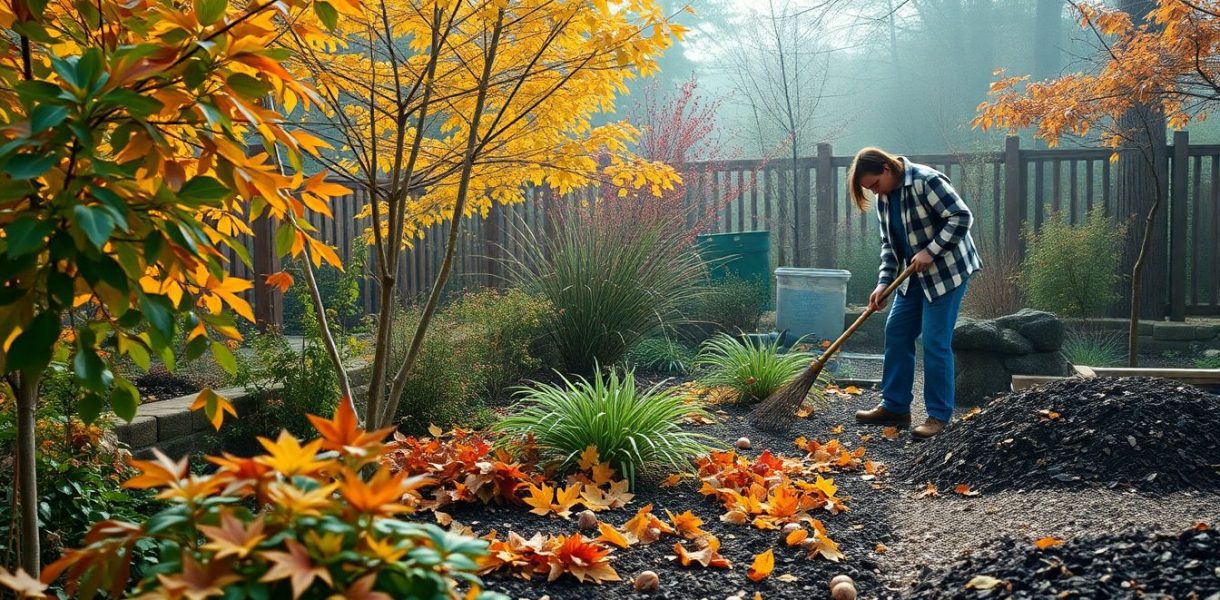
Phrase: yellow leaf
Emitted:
{"points": [[588, 458], [214, 406], [434, 430], [983, 582], [796, 536], [1049, 541], [764, 563]]}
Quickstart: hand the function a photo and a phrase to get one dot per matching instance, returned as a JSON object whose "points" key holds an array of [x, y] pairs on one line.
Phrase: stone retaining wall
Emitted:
{"points": [[176, 430]]}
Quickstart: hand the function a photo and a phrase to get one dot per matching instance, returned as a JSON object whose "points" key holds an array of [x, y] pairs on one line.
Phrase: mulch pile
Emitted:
{"points": [[1152, 435], [1135, 564]]}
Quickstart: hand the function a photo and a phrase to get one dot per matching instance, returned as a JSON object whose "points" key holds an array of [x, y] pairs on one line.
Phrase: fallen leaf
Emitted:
{"points": [[890, 433], [763, 564], [788, 578], [672, 480], [853, 390], [612, 535], [434, 430], [589, 457], [837, 429], [1049, 541], [804, 411], [1048, 415], [972, 413], [880, 548], [929, 491], [983, 582], [796, 536], [964, 490]]}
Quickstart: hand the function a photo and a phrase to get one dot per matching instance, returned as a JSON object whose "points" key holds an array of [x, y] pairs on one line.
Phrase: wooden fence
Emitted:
{"points": [[815, 224]]}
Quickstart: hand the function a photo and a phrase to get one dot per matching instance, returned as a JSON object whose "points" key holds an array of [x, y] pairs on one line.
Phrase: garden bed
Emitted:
{"points": [[897, 534]]}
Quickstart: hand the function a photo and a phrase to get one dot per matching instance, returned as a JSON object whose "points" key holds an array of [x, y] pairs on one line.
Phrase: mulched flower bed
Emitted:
{"points": [[1153, 435], [1129, 565], [162, 385], [857, 531]]}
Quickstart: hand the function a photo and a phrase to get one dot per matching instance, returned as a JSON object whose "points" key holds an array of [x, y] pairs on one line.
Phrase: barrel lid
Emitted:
{"points": [[813, 273]]}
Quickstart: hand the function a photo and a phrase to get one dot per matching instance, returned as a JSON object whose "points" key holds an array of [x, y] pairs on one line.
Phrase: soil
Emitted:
{"points": [[899, 544], [1149, 434], [163, 385], [1133, 564]]}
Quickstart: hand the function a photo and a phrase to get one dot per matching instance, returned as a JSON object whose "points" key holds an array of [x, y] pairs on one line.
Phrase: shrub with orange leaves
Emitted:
{"points": [[321, 529]]}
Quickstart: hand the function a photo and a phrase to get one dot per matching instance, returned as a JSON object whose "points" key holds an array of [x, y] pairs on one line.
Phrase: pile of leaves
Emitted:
{"points": [[460, 466], [772, 492], [1150, 434], [1133, 564]]}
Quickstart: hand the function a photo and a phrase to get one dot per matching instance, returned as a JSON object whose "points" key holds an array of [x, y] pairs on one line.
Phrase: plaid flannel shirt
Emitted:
{"points": [[936, 219]]}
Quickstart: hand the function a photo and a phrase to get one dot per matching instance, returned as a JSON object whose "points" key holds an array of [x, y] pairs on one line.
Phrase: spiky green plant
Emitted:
{"points": [[634, 430], [661, 355], [1095, 348], [608, 286], [753, 369]]}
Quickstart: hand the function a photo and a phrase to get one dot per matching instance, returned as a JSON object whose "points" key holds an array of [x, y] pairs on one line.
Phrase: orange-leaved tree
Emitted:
{"points": [[1157, 68], [444, 108], [124, 174]]}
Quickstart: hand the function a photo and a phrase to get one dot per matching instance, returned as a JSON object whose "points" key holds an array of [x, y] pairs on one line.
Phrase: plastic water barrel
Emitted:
{"points": [[810, 303], [746, 254]]}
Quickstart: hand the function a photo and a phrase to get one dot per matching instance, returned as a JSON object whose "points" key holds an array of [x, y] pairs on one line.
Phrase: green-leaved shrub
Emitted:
{"points": [[753, 369], [661, 355], [635, 430], [1095, 347], [1072, 270], [730, 305]]}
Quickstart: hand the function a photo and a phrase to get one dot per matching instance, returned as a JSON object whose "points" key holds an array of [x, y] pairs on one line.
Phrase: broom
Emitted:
{"points": [[776, 412]]}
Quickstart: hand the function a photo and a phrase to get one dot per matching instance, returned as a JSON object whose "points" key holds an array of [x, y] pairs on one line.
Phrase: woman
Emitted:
{"points": [[925, 222]]}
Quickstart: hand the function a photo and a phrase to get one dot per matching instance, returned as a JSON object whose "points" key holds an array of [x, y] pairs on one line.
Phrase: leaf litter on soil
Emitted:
{"points": [[1153, 435]]}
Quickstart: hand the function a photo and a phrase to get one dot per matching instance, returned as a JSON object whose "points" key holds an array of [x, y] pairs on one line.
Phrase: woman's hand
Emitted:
{"points": [[875, 301], [923, 261]]}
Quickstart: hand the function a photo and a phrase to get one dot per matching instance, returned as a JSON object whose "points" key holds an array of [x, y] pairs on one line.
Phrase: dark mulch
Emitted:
{"points": [[1129, 565], [163, 385], [1152, 435], [857, 531]]}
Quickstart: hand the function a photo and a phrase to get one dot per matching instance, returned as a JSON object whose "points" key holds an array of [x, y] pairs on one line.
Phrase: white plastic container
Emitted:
{"points": [[810, 303]]}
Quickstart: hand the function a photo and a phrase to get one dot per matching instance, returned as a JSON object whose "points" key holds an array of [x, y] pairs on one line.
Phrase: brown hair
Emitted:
{"points": [[869, 161]]}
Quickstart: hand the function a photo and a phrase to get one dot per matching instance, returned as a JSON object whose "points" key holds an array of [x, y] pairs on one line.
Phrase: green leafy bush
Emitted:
{"points": [[1072, 270], [442, 387], [506, 329], [635, 430], [754, 370], [609, 286], [1207, 362], [731, 305], [661, 355], [340, 291], [307, 380], [1095, 348]]}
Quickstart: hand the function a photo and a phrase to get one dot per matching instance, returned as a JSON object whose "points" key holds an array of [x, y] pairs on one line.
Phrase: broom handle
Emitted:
{"points": [[821, 360]]}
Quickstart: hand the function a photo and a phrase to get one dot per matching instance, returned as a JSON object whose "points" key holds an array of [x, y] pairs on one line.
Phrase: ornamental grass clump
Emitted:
{"points": [[752, 369], [634, 430]]}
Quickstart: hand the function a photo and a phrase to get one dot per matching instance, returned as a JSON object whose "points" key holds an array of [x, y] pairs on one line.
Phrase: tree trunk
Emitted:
{"points": [[1141, 177], [30, 553]]}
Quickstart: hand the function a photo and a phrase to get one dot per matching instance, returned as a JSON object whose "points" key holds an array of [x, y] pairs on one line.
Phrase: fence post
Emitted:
{"points": [[1014, 195], [824, 205], [491, 246], [268, 302], [1177, 226]]}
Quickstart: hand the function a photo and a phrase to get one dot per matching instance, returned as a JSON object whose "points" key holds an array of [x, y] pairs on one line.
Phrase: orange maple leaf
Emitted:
{"points": [[288, 457], [540, 498], [645, 527], [763, 564], [964, 490], [281, 280], [383, 494], [295, 564], [1049, 541], [344, 434], [584, 560], [162, 471], [929, 491], [687, 524], [612, 535], [890, 433], [796, 536], [588, 458], [214, 406], [232, 537]]}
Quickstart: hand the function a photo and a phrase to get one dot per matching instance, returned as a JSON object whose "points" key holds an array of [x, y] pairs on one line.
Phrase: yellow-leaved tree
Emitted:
{"points": [[124, 173], [443, 108]]}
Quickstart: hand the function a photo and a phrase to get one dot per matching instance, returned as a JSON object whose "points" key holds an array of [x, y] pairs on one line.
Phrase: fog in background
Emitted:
{"points": [[906, 75]]}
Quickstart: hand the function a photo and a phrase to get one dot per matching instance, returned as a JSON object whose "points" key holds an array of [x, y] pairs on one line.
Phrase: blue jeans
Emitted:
{"points": [[910, 315]]}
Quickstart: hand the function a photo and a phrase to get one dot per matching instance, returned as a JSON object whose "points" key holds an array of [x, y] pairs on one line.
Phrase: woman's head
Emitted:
{"points": [[874, 170]]}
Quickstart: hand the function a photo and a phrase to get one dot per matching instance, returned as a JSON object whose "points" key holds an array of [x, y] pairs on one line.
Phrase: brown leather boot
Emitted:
{"points": [[878, 415], [931, 427]]}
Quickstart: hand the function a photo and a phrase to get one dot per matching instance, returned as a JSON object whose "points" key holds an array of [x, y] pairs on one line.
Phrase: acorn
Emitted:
{"points": [[646, 581], [743, 443], [586, 520], [837, 579], [789, 528], [843, 591]]}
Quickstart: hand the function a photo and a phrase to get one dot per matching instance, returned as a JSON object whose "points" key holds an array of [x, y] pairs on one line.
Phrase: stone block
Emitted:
{"points": [[987, 336], [978, 376], [174, 425], [1204, 333], [1039, 363], [1174, 332], [1043, 329], [140, 432]]}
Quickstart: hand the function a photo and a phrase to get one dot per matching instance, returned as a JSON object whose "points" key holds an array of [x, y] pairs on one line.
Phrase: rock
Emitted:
{"points": [[743, 443], [646, 581], [843, 591], [987, 336], [586, 520], [837, 579], [1211, 353], [1043, 329], [1040, 363], [978, 375]]}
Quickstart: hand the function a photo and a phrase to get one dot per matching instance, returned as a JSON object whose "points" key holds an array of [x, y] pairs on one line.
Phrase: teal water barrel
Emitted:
{"points": [[746, 254], [810, 303]]}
